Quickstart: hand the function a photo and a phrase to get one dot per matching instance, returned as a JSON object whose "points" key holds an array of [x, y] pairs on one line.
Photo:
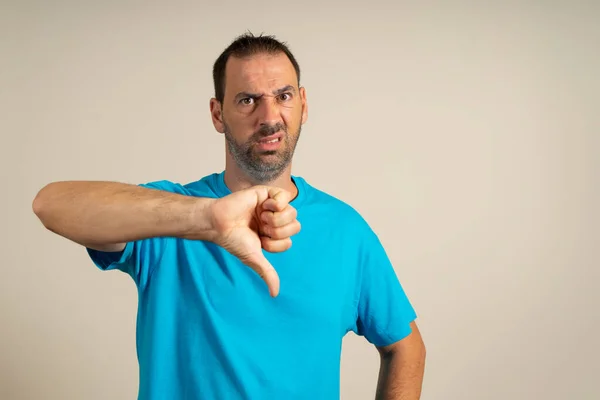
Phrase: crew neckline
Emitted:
{"points": [[223, 190]]}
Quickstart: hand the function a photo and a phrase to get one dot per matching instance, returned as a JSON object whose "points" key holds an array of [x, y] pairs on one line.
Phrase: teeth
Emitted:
{"points": [[273, 141]]}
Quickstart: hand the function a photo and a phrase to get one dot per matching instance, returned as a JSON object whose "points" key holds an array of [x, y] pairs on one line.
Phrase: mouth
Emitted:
{"points": [[271, 139], [270, 143]]}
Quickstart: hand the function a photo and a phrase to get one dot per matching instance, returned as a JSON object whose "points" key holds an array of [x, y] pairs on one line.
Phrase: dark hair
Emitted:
{"points": [[247, 45]]}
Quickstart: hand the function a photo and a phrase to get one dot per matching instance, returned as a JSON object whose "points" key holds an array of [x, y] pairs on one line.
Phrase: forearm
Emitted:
{"points": [[110, 212], [400, 377]]}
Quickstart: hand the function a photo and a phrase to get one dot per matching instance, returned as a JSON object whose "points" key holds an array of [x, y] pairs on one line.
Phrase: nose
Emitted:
{"points": [[268, 112]]}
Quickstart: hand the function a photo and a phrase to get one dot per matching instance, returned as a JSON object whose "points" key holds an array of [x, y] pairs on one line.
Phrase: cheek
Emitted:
{"points": [[238, 126], [292, 116]]}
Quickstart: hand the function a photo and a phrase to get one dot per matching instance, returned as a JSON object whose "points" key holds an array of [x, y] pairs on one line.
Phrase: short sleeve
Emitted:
{"points": [[384, 311], [139, 258]]}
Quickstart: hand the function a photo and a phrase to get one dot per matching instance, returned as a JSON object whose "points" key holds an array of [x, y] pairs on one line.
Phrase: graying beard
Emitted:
{"points": [[261, 173]]}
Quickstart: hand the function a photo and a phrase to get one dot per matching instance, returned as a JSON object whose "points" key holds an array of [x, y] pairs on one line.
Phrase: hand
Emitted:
{"points": [[247, 221]]}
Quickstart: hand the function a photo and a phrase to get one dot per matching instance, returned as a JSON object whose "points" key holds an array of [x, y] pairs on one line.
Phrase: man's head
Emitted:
{"points": [[259, 105]]}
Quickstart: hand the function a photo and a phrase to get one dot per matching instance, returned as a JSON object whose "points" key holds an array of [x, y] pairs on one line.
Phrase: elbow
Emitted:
{"points": [[37, 205], [40, 203]]}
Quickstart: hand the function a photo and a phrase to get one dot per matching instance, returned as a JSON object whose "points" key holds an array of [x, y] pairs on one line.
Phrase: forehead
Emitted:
{"points": [[260, 72]]}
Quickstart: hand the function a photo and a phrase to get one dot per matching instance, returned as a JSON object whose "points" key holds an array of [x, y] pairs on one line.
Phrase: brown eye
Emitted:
{"points": [[285, 97], [247, 101]]}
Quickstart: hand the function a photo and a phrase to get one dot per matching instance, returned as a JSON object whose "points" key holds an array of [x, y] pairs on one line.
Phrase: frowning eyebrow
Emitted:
{"points": [[288, 88], [277, 92]]}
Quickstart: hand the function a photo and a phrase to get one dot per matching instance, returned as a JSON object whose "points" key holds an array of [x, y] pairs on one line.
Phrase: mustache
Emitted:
{"points": [[268, 130]]}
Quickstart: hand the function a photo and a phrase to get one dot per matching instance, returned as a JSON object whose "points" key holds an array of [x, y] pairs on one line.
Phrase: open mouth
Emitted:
{"points": [[274, 140]]}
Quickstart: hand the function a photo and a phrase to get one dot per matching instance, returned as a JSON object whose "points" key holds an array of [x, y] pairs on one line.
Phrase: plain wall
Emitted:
{"points": [[467, 134]]}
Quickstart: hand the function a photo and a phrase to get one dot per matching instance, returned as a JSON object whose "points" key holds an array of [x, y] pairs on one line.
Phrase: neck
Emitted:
{"points": [[236, 179]]}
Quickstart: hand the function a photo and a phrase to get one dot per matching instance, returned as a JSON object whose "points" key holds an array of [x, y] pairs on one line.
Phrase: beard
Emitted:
{"points": [[265, 166]]}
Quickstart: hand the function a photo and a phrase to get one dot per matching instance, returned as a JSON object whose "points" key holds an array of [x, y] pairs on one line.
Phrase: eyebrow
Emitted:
{"points": [[287, 88]]}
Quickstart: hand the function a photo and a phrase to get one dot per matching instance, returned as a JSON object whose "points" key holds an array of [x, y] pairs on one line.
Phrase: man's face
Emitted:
{"points": [[262, 114]]}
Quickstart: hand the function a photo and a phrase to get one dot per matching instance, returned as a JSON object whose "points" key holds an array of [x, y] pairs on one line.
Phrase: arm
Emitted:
{"points": [[106, 215], [402, 368], [386, 318]]}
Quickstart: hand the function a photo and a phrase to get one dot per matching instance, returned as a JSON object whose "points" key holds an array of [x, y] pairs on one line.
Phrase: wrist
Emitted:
{"points": [[200, 224]]}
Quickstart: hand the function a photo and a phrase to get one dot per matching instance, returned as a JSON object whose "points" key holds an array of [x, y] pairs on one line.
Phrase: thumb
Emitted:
{"points": [[259, 263]]}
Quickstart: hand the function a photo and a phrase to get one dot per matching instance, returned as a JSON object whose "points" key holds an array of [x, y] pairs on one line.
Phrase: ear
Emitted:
{"points": [[216, 113], [304, 104]]}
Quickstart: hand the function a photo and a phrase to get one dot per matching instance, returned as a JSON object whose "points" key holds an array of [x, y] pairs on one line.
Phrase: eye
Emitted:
{"points": [[285, 96], [247, 101]]}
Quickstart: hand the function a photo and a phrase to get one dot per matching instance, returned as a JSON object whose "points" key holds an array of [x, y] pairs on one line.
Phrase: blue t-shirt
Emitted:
{"points": [[207, 327]]}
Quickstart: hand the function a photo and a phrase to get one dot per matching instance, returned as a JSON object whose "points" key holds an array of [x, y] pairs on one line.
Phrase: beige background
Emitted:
{"points": [[466, 134]]}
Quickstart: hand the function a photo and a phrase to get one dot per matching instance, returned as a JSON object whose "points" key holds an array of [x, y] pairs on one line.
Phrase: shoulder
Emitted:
{"points": [[332, 206]]}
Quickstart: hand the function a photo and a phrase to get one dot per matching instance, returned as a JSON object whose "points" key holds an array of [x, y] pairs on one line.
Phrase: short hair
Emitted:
{"points": [[246, 45]]}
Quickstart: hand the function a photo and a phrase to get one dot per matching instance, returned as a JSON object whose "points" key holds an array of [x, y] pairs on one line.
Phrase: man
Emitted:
{"points": [[208, 326]]}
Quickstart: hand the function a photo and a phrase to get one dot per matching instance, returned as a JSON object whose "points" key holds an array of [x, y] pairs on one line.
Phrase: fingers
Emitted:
{"points": [[279, 227], [258, 262], [279, 218], [275, 245], [278, 199], [276, 218], [281, 232]]}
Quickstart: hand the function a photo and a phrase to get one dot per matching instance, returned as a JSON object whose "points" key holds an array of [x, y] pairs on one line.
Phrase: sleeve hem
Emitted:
{"points": [[391, 336], [103, 260]]}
